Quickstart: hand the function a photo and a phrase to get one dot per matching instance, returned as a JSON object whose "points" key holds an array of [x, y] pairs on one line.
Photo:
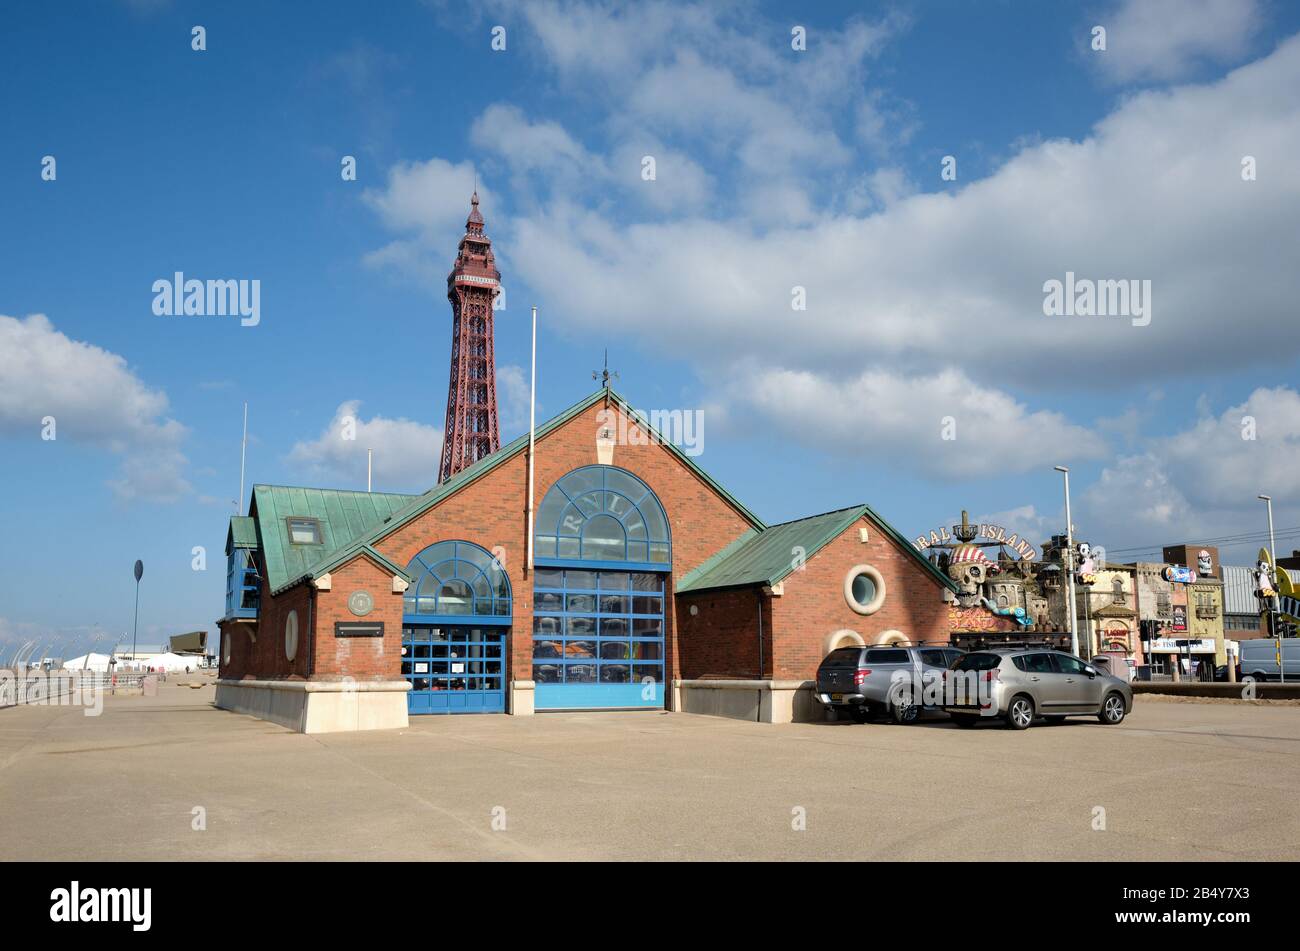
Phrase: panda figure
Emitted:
{"points": [[1264, 589], [1087, 570]]}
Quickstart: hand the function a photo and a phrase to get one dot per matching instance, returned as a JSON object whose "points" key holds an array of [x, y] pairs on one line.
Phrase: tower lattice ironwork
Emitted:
{"points": [[471, 429]]}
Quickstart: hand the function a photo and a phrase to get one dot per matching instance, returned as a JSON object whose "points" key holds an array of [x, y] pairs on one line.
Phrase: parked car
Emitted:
{"points": [[1259, 659], [1021, 685], [859, 682]]}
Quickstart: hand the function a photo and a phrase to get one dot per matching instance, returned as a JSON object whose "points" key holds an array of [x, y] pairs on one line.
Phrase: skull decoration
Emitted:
{"points": [[970, 568], [1204, 563]]}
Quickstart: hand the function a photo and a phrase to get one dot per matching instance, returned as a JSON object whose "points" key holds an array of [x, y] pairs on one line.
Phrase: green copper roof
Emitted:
{"points": [[766, 557], [243, 532], [343, 515]]}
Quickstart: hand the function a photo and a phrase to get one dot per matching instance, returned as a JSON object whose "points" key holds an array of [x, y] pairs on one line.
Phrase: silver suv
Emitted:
{"points": [[1021, 685], [859, 682]]}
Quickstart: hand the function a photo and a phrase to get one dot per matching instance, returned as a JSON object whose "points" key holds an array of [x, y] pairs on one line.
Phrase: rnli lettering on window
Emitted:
{"points": [[351, 629]]}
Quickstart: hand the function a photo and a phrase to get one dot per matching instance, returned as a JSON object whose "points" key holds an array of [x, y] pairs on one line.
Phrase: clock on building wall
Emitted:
{"points": [[361, 603]]}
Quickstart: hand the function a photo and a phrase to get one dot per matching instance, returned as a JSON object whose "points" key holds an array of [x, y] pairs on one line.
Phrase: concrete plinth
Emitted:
{"points": [[522, 694], [763, 701], [314, 706]]}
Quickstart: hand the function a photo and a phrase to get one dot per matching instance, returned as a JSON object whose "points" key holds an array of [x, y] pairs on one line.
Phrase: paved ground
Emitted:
{"points": [[1176, 781]]}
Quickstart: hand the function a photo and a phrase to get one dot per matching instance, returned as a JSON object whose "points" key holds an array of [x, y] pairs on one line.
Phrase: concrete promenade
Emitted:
{"points": [[1180, 780]]}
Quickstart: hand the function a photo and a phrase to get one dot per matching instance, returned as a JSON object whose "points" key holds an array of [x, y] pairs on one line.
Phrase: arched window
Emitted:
{"points": [[600, 513], [456, 579]]}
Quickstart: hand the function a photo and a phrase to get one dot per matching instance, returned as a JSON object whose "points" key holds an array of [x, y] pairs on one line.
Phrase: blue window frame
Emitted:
{"points": [[242, 584], [455, 581], [598, 638], [602, 514]]}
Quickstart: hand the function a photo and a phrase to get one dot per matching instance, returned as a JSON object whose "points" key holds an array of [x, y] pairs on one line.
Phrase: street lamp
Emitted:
{"points": [[1069, 562], [135, 625], [1272, 546]]}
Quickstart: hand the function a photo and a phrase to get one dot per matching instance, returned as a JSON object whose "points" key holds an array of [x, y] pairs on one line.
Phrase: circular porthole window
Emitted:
{"points": [[225, 648], [291, 635], [864, 589]]}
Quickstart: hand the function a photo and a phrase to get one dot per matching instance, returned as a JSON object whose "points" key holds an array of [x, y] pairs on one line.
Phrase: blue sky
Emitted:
{"points": [[775, 168]]}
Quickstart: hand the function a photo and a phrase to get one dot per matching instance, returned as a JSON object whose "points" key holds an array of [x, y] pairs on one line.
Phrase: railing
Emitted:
{"points": [[23, 687]]}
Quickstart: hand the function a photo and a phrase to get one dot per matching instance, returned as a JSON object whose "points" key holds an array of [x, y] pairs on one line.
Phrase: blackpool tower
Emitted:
{"points": [[471, 430]]}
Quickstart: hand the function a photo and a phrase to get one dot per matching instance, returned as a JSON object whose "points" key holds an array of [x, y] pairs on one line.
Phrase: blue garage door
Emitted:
{"points": [[454, 669], [603, 566]]}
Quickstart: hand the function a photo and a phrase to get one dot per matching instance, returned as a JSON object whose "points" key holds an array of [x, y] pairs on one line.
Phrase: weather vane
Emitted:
{"points": [[605, 375]]}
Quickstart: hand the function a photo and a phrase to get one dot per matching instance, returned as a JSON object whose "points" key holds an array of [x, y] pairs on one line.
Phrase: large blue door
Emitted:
{"points": [[457, 668], [603, 570]]}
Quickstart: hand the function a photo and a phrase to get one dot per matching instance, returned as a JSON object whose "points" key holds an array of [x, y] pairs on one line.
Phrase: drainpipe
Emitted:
{"points": [[311, 630]]}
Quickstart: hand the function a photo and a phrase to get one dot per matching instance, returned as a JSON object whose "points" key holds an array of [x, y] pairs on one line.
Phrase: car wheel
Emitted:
{"points": [[1112, 710], [964, 720], [903, 707], [861, 714], [1020, 712], [1054, 721], [832, 715]]}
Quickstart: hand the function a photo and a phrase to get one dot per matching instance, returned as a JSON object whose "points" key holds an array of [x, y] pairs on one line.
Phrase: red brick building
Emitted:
{"points": [[650, 586]]}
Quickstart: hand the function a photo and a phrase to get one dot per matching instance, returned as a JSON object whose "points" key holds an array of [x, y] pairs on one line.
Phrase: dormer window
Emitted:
{"points": [[304, 531]]}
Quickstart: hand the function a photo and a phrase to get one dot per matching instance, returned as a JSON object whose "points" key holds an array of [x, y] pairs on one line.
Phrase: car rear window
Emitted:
{"points": [[887, 657], [977, 662], [843, 656], [935, 658]]}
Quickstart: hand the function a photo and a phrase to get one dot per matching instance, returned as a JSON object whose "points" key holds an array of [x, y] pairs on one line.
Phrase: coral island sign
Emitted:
{"points": [[991, 534]]}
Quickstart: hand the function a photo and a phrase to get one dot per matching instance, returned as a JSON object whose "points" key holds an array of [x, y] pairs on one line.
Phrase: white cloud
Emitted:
{"points": [[1162, 40], [513, 394], [880, 415], [933, 275], [95, 400], [406, 453], [427, 204], [428, 198], [1202, 481]]}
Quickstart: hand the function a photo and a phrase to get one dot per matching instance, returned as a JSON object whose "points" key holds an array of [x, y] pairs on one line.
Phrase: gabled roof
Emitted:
{"points": [[416, 505], [343, 515], [765, 557]]}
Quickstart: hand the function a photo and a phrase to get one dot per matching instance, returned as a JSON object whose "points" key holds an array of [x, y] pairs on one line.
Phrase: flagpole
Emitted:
{"points": [[532, 435], [243, 450]]}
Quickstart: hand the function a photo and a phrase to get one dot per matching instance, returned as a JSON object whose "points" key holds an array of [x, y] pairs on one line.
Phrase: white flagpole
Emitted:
{"points": [[370, 459], [243, 450], [532, 432]]}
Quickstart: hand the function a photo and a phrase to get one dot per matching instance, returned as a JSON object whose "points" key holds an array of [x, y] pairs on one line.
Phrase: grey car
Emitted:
{"points": [[902, 681], [1021, 685]]}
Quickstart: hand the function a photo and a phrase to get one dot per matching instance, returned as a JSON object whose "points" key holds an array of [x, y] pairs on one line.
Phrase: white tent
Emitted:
{"points": [[87, 662], [170, 662]]}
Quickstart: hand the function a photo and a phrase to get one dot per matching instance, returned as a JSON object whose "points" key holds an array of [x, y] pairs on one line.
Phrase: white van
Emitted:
{"points": [[1259, 659]]}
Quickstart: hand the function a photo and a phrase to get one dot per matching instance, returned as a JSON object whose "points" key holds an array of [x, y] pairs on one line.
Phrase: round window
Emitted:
{"points": [[864, 589], [225, 648], [291, 636]]}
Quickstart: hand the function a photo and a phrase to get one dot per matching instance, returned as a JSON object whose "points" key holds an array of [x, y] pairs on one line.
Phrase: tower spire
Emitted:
{"points": [[471, 429]]}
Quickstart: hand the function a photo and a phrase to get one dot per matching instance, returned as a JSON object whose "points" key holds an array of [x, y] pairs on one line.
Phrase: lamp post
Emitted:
{"points": [[1069, 562], [135, 625]]}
